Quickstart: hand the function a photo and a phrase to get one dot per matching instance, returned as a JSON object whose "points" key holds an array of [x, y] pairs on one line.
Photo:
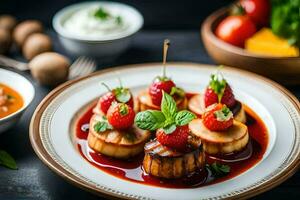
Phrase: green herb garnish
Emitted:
{"points": [[102, 125], [224, 114], [123, 109], [7, 160], [218, 85], [218, 170], [167, 119], [101, 14], [176, 91], [150, 120], [285, 20], [122, 94]]}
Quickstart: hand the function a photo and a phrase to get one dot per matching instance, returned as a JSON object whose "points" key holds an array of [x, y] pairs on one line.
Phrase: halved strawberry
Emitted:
{"points": [[219, 91], [119, 94], [218, 117], [178, 139], [120, 115]]}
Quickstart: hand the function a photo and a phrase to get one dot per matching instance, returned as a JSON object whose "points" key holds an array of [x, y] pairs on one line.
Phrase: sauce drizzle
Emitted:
{"points": [[131, 170]]}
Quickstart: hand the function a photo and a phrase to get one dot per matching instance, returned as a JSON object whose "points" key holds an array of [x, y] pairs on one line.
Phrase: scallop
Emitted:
{"points": [[145, 102], [196, 104], [221, 142], [120, 144]]}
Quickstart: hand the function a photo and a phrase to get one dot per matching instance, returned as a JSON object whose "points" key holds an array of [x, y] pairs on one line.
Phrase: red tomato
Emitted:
{"points": [[257, 10], [235, 29]]}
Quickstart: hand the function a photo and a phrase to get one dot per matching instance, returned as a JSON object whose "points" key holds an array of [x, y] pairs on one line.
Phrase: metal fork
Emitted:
{"points": [[80, 67]]}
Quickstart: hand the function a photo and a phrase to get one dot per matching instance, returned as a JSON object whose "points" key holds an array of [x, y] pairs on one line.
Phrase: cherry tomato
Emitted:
{"points": [[257, 10], [235, 29]]}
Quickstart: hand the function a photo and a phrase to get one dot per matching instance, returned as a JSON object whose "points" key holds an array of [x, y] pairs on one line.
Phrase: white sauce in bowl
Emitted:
{"points": [[85, 22]]}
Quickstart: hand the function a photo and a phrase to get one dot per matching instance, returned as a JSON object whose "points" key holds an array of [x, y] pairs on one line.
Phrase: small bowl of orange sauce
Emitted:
{"points": [[16, 93]]}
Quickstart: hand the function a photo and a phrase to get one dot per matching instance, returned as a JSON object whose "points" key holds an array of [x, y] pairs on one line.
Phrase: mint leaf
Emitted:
{"points": [[7, 160], [217, 85], [175, 91], [169, 129], [184, 117], [218, 170], [100, 126], [150, 120], [168, 106], [123, 95]]}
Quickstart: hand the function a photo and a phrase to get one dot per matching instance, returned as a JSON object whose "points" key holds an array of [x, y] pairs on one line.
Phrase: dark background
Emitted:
{"points": [[177, 20], [158, 14]]}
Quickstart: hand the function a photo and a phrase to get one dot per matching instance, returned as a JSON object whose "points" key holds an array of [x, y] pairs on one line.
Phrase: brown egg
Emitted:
{"points": [[36, 44], [24, 29], [7, 22], [49, 68], [5, 40]]}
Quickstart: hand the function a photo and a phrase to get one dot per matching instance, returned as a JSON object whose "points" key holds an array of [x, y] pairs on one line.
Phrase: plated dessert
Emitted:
{"points": [[168, 146], [163, 142], [112, 131], [256, 167], [218, 90]]}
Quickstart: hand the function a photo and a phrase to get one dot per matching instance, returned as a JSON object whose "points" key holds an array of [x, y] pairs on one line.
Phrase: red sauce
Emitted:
{"points": [[131, 170]]}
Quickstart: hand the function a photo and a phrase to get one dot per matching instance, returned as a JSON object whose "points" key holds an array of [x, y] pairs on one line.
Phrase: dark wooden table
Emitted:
{"points": [[33, 180]]}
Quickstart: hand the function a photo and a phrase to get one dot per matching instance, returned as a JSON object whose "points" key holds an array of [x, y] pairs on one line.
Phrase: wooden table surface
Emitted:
{"points": [[33, 180]]}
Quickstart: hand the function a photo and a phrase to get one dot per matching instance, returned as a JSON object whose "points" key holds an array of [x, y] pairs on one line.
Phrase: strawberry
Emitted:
{"points": [[228, 97], [218, 117], [156, 88], [119, 94], [120, 115], [163, 83], [178, 139], [105, 101], [219, 91], [210, 97]]}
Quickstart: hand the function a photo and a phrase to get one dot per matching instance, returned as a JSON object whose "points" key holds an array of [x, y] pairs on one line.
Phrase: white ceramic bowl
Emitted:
{"points": [[102, 46], [24, 88]]}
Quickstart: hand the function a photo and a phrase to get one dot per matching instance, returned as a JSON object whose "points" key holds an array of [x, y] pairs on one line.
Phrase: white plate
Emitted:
{"points": [[50, 131], [24, 88]]}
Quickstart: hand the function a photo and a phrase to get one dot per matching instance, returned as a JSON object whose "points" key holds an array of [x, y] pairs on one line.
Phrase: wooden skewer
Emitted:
{"points": [[165, 53]]}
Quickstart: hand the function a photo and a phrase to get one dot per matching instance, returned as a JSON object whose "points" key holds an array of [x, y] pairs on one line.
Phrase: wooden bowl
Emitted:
{"points": [[285, 70]]}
